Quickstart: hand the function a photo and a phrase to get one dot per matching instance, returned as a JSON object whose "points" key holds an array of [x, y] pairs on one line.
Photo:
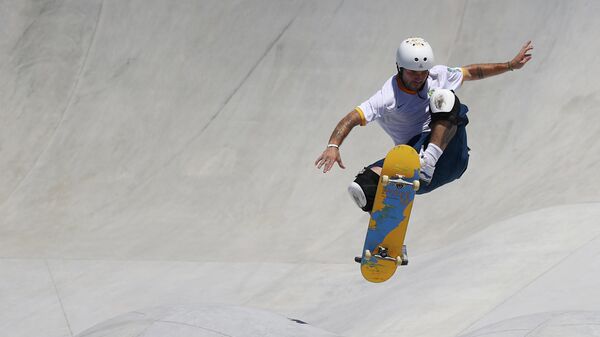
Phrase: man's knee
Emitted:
{"points": [[367, 181]]}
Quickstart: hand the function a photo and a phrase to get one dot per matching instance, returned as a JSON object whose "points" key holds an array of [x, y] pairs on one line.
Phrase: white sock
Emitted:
{"points": [[432, 153]]}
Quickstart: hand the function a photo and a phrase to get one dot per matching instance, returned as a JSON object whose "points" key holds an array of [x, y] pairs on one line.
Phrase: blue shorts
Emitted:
{"points": [[453, 162]]}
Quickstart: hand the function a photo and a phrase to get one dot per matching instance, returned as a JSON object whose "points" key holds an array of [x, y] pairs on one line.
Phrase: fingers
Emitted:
{"points": [[324, 162], [327, 165], [524, 55], [327, 160], [527, 47], [525, 59], [318, 163]]}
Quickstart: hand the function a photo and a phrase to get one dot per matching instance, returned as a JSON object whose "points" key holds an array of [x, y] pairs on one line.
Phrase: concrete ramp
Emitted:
{"points": [[158, 153], [584, 323], [203, 321]]}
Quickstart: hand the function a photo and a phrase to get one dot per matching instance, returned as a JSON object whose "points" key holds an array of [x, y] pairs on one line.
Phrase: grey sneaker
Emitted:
{"points": [[357, 194]]}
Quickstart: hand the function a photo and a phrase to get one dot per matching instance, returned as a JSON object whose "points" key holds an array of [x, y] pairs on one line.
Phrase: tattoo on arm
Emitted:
{"points": [[480, 74], [343, 128], [484, 70]]}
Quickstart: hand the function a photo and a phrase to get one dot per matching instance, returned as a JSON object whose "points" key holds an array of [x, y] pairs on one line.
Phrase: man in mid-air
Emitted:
{"points": [[417, 106]]}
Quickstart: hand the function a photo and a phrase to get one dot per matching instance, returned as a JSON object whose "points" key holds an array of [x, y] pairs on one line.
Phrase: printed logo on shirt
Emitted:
{"points": [[453, 70]]}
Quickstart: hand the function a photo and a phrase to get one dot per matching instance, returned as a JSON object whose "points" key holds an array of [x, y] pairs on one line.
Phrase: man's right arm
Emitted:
{"points": [[331, 154], [343, 128]]}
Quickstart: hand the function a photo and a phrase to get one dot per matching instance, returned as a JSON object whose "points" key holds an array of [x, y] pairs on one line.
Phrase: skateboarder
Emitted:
{"points": [[417, 106]]}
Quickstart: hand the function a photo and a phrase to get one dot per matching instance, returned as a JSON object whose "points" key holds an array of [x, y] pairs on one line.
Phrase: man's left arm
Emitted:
{"points": [[480, 71]]}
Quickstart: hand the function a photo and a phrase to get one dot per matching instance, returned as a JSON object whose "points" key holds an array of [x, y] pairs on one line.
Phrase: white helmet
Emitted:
{"points": [[415, 54]]}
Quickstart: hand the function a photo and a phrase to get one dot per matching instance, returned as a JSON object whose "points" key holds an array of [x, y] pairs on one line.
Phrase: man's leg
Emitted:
{"points": [[445, 108], [377, 170], [442, 132], [363, 188], [452, 164], [448, 141]]}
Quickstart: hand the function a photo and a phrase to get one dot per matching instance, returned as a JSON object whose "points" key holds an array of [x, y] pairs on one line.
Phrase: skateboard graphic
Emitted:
{"points": [[384, 248]]}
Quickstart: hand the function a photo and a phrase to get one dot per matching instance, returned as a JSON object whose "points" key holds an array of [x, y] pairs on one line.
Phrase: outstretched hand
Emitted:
{"points": [[330, 156], [522, 57]]}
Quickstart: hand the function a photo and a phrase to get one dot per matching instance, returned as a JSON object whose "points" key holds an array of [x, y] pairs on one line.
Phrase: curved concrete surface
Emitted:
{"points": [[160, 153], [203, 321], [547, 324]]}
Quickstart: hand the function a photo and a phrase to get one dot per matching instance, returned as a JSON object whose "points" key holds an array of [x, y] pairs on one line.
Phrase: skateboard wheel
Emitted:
{"points": [[416, 185], [399, 261], [368, 254], [358, 259], [385, 180]]}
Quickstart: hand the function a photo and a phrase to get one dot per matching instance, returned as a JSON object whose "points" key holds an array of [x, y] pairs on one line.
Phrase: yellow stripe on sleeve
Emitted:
{"points": [[363, 120]]}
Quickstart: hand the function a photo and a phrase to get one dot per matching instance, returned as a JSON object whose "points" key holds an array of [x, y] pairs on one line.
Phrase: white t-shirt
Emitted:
{"points": [[402, 114]]}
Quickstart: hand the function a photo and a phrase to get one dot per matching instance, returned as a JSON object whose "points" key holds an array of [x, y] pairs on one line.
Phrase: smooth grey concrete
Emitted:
{"points": [[204, 321], [575, 323], [160, 153]]}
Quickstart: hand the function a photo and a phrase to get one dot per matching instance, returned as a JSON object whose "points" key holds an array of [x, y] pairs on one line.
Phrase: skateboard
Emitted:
{"points": [[384, 248]]}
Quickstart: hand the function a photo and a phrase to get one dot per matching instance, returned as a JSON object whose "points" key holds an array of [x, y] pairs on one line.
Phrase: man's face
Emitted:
{"points": [[413, 79]]}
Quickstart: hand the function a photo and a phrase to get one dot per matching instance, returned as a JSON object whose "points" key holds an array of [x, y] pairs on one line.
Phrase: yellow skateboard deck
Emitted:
{"points": [[384, 244]]}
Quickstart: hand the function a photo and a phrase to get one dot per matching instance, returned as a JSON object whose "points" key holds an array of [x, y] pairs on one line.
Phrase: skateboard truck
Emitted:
{"points": [[383, 254], [399, 180]]}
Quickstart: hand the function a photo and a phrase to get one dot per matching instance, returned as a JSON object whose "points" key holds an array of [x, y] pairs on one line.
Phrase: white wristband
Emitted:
{"points": [[333, 145]]}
